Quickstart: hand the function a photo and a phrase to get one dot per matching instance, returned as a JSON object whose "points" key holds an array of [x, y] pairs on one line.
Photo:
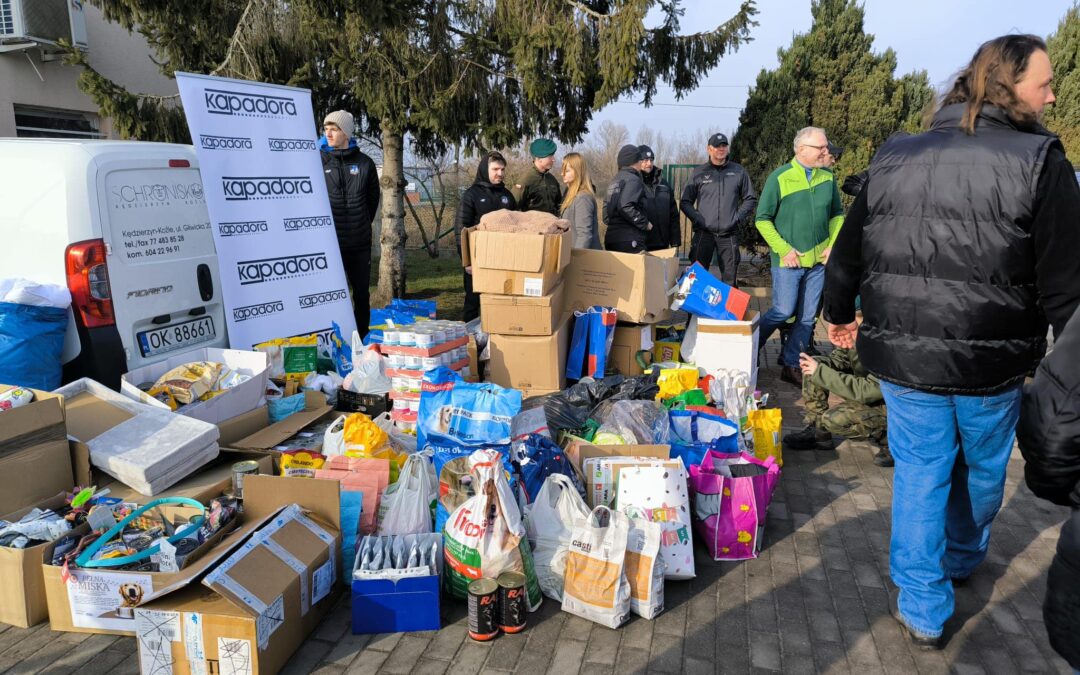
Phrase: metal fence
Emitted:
{"points": [[677, 175]]}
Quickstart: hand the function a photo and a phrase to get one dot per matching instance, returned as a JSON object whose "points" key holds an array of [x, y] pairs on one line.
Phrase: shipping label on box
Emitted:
{"points": [[516, 264]]}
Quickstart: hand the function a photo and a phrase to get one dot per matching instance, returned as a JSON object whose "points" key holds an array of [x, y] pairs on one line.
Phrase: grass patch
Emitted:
{"points": [[428, 278]]}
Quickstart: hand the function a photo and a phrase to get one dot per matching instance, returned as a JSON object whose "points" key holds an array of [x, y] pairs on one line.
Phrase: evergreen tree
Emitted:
{"points": [[828, 77], [1063, 118]]}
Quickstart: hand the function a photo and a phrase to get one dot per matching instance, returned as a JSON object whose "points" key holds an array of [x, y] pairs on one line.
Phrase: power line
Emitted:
{"points": [[689, 105]]}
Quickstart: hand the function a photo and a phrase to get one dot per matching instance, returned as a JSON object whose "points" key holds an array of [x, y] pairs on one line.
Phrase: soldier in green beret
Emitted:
{"points": [[539, 190]]}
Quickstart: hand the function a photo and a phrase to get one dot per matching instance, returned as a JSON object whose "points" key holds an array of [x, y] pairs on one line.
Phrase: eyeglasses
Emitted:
{"points": [[819, 148]]}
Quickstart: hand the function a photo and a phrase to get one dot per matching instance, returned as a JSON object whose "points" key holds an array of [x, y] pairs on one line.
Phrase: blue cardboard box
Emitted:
{"points": [[396, 600]]}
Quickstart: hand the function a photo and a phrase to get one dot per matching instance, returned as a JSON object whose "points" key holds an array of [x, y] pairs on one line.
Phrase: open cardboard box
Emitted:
{"points": [[635, 284], [579, 451], [253, 433], [22, 587], [715, 345], [515, 263], [34, 459], [230, 403], [254, 609]]}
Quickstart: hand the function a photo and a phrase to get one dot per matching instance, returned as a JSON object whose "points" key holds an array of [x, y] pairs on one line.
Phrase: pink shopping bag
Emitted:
{"points": [[731, 495]]}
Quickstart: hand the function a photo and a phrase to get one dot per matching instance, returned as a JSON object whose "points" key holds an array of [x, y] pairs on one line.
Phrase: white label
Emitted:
{"points": [[193, 640], [269, 621], [156, 632], [242, 594], [322, 581], [166, 557], [107, 600], [533, 288], [234, 656]]}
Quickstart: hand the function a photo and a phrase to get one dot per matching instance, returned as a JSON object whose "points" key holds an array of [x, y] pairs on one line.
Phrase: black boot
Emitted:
{"points": [[807, 439], [883, 457]]}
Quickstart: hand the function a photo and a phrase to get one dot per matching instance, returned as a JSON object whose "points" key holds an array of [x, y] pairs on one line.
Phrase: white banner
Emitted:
{"points": [[263, 178]]}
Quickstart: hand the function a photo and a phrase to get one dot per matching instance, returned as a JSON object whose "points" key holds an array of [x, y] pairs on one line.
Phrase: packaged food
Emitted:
{"points": [[187, 383], [301, 463], [291, 358], [15, 398]]}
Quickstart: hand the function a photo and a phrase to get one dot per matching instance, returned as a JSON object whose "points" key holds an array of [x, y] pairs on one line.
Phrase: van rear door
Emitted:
{"points": [[163, 271]]}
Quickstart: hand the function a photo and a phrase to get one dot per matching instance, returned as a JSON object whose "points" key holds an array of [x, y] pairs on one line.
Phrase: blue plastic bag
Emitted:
{"points": [[694, 433], [456, 412], [32, 345], [594, 331], [281, 408], [702, 294], [539, 458], [425, 308], [341, 351]]}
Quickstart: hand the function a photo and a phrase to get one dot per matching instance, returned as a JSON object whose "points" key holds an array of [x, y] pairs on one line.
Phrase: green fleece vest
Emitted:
{"points": [[794, 212]]}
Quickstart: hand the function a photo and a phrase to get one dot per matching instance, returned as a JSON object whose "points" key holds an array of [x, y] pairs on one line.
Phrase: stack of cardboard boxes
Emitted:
{"points": [[522, 306]]}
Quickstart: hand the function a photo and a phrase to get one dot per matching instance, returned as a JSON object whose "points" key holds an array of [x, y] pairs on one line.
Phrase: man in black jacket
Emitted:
{"points": [[486, 194], [960, 244], [1049, 438], [625, 210], [353, 185], [660, 206], [718, 196]]}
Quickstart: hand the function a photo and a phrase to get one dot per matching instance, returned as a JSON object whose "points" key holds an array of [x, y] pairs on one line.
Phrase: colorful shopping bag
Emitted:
{"points": [[590, 343], [700, 293], [659, 493], [731, 495], [693, 433]]}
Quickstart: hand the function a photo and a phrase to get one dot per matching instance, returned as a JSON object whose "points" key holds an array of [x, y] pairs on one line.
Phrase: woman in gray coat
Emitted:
{"points": [[579, 204]]}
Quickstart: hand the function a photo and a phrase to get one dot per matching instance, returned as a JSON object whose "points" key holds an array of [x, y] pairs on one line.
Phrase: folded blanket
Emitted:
{"points": [[522, 222]]}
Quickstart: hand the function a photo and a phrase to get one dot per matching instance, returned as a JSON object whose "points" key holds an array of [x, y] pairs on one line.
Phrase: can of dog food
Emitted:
{"points": [[512, 607], [483, 610]]}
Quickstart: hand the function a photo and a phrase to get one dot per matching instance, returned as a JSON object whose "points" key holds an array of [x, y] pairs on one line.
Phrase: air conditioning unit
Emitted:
{"points": [[42, 22]]}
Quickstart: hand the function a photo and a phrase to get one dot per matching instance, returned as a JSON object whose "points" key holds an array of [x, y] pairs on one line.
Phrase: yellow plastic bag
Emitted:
{"points": [[674, 381], [768, 436], [362, 436]]}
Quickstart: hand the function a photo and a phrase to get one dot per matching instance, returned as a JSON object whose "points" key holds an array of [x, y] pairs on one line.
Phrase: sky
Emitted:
{"points": [[939, 36]]}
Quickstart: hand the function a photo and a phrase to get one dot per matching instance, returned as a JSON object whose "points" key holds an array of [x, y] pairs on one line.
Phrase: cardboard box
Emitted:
{"points": [[257, 606], [629, 339], [22, 587], [102, 600], [210, 482], [236, 401], [515, 264], [35, 462], [517, 315], [717, 345], [530, 363], [270, 435], [635, 284], [579, 451]]}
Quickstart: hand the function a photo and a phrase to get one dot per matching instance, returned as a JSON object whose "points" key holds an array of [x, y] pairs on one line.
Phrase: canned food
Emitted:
{"points": [[399, 383], [239, 470], [401, 404], [438, 336], [407, 338], [424, 339], [414, 405], [415, 384], [430, 362], [406, 427], [483, 606], [512, 606], [413, 362], [395, 361], [391, 337]]}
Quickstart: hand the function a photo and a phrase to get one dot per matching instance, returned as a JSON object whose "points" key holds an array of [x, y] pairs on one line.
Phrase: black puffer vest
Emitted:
{"points": [[948, 290]]}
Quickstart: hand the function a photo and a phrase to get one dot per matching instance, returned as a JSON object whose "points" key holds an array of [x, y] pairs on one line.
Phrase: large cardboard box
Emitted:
{"points": [[22, 588], [635, 284], [235, 401], [579, 451], [34, 460], [254, 609], [269, 435], [103, 601], [718, 345], [518, 315], [628, 340], [515, 264], [530, 363]]}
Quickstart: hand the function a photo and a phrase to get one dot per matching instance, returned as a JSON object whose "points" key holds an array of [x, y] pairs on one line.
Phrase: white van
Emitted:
{"points": [[123, 225]]}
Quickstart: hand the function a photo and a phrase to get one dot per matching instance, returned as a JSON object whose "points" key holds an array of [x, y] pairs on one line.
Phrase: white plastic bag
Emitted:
{"points": [[368, 375], [399, 440], [644, 567], [732, 389], [20, 291], [595, 586], [407, 505], [334, 438], [550, 519]]}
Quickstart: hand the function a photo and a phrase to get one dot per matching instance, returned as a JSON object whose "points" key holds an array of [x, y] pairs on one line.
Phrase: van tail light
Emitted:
{"points": [[179, 164], [88, 281]]}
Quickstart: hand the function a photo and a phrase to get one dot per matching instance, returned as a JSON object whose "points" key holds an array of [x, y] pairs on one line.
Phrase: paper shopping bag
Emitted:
{"points": [[660, 494], [595, 586]]}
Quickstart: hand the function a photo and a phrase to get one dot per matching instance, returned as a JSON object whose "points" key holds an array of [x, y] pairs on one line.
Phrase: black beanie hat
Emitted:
{"points": [[628, 155]]}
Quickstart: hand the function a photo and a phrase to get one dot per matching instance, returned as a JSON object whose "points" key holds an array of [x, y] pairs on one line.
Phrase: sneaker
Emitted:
{"points": [[807, 439], [883, 457], [923, 642]]}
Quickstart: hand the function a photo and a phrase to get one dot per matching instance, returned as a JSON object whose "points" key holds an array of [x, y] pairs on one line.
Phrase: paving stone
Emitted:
{"points": [[368, 663], [603, 646], [345, 651], [305, 660], [405, 655]]}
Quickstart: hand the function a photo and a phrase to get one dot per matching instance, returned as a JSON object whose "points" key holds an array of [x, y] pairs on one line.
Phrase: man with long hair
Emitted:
{"points": [[960, 243], [579, 204]]}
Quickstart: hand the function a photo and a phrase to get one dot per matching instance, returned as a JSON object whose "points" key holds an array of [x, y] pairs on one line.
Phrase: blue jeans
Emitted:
{"points": [[951, 452], [795, 292]]}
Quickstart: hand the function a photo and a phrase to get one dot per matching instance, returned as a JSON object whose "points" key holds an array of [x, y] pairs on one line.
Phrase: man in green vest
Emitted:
{"points": [[539, 190], [799, 215]]}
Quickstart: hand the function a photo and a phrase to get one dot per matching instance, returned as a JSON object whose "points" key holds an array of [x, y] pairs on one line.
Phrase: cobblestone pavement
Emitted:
{"points": [[815, 601]]}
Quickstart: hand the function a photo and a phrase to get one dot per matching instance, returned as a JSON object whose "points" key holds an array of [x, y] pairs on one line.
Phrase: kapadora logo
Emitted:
{"points": [[274, 269], [245, 188], [239, 104], [256, 311], [241, 228], [224, 142], [290, 144], [323, 298], [307, 223]]}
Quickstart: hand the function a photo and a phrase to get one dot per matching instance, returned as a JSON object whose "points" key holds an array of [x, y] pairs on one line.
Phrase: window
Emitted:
{"points": [[45, 123]]}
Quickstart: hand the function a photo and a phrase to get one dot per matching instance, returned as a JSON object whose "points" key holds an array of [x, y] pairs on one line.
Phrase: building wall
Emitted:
{"points": [[121, 56]]}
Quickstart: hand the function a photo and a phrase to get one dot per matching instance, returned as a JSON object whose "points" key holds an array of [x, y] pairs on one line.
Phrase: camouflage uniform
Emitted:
{"points": [[861, 416]]}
